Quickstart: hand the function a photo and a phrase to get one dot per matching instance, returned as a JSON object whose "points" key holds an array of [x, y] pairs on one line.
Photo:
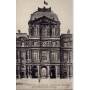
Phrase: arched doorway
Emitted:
{"points": [[52, 72], [34, 71], [43, 72]]}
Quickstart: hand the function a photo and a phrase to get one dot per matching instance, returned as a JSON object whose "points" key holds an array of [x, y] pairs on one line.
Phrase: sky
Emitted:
{"points": [[63, 9]]}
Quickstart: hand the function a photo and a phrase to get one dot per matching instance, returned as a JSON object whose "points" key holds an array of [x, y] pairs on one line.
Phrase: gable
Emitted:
{"points": [[44, 20]]}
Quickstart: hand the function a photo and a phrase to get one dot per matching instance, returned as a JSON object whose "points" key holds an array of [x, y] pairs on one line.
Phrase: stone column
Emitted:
{"points": [[56, 71], [30, 53], [28, 56], [48, 70], [19, 71], [18, 56], [48, 59], [50, 56], [38, 71], [68, 69], [30, 71], [23, 59], [25, 71], [60, 71]]}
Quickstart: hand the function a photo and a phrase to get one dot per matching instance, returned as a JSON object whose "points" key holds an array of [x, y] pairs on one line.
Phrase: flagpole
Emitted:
{"points": [[45, 3]]}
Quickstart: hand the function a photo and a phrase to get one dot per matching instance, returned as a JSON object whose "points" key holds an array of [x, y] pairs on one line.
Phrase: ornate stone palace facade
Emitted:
{"points": [[43, 53]]}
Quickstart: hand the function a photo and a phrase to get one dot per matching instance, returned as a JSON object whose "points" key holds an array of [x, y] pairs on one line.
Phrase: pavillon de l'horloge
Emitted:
{"points": [[44, 52]]}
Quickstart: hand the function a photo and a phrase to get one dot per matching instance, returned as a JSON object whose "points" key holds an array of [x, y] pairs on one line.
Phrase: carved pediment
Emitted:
{"points": [[44, 20]]}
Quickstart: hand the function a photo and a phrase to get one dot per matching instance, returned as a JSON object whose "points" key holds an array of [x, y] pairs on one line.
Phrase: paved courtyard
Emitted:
{"points": [[44, 84]]}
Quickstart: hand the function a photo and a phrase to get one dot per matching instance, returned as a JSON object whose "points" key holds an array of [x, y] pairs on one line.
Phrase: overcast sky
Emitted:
{"points": [[63, 9]]}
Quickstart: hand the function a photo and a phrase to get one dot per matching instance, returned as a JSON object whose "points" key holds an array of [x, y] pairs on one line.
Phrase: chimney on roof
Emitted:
{"points": [[19, 31]]}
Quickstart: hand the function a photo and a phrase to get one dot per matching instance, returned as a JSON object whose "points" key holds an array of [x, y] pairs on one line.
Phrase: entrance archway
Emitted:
{"points": [[52, 72], [44, 72]]}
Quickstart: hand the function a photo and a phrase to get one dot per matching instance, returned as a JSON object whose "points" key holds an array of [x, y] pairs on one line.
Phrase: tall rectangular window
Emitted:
{"points": [[35, 56], [45, 56], [65, 56], [18, 56], [54, 56], [70, 56], [53, 31]]}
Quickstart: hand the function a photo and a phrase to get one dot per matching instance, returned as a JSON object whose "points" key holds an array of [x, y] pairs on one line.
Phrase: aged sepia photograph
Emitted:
{"points": [[44, 44]]}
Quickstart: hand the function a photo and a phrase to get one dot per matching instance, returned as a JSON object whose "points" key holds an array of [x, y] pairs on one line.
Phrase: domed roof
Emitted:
{"points": [[44, 12]]}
